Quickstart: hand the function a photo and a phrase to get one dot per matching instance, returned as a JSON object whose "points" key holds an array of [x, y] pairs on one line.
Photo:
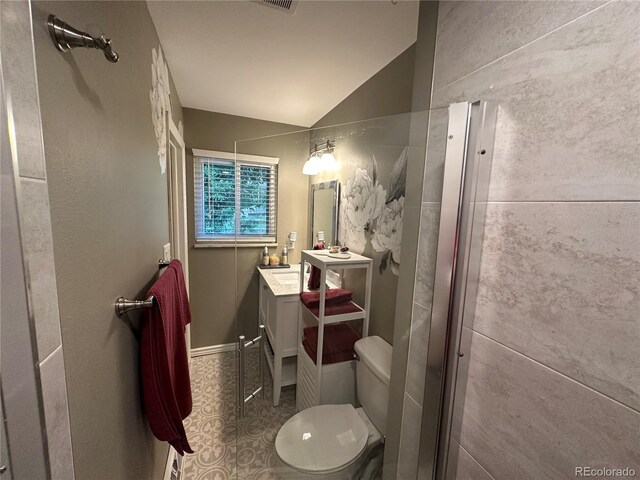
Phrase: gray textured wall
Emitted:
{"points": [[388, 92], [220, 288], [109, 219], [551, 359]]}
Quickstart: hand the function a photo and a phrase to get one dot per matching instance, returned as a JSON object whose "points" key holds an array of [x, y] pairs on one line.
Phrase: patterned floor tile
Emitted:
{"points": [[227, 448]]}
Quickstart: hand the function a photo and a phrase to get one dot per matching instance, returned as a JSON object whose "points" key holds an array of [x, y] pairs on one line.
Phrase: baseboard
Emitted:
{"points": [[224, 347], [211, 349]]}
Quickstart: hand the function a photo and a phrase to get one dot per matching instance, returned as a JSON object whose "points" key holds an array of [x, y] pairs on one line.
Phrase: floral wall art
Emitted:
{"points": [[372, 157], [371, 213], [160, 103]]}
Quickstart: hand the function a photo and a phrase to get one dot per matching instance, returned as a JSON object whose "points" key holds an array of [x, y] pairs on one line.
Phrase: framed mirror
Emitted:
{"points": [[324, 212]]}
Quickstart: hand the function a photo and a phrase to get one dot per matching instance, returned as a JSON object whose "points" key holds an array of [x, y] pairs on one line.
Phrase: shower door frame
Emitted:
{"points": [[470, 138], [177, 205]]}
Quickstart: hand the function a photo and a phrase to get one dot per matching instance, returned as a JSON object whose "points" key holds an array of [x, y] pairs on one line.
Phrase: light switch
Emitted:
{"points": [[166, 252]]}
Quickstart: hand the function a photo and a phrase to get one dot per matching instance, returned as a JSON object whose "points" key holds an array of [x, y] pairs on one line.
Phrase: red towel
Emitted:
{"points": [[335, 296], [164, 367], [337, 345], [314, 276]]}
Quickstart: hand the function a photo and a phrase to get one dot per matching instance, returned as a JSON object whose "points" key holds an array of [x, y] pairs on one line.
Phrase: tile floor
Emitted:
{"points": [[217, 436]]}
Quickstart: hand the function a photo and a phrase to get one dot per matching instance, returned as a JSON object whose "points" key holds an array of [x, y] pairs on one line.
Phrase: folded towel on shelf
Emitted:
{"points": [[336, 309], [314, 276], [164, 366], [335, 296], [337, 345]]}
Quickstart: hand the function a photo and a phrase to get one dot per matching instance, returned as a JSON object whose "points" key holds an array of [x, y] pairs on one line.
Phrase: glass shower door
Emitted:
{"points": [[373, 158], [391, 201], [271, 196]]}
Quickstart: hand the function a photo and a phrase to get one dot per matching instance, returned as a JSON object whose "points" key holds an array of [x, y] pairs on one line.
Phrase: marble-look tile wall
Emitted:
{"points": [[21, 92], [550, 378], [422, 296]]}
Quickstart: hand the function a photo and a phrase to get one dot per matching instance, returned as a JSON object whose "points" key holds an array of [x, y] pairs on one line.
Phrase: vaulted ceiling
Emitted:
{"points": [[244, 58]]}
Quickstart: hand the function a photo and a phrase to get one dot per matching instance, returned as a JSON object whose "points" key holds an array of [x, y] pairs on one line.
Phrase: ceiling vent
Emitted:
{"points": [[282, 5]]}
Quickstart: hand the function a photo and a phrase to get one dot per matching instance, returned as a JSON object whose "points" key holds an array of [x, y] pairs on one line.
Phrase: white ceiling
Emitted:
{"points": [[242, 58]]}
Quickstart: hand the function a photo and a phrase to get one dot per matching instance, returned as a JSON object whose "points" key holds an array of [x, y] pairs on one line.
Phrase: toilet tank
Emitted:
{"points": [[372, 374]]}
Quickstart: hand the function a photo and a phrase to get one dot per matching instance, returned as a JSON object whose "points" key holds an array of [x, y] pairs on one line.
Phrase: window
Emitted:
{"points": [[235, 198]]}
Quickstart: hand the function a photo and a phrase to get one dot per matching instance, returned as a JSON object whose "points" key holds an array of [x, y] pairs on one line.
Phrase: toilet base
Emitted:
{"points": [[284, 472], [368, 466]]}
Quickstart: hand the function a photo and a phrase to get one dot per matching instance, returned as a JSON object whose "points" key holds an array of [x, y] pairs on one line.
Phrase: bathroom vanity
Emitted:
{"points": [[278, 312]]}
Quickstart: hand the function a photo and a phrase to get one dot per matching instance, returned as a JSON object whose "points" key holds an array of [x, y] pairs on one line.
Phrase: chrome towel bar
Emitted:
{"points": [[240, 361], [124, 305]]}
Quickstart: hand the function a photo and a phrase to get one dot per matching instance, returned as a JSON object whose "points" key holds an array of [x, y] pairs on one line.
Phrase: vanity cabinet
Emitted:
{"points": [[278, 312]]}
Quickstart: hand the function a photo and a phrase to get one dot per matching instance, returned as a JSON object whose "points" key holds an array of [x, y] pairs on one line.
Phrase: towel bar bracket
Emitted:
{"points": [[124, 305]]}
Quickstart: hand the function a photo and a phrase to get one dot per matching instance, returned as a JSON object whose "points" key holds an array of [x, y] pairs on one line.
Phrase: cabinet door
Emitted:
{"points": [[289, 323], [263, 303], [272, 325]]}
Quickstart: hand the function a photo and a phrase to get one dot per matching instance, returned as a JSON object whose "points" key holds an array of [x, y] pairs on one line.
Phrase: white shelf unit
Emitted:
{"points": [[310, 376]]}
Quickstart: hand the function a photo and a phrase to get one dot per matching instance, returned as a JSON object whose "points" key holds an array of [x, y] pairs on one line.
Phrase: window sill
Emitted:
{"points": [[233, 245]]}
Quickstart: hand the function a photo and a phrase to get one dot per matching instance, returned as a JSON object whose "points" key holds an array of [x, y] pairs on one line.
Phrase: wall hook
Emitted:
{"points": [[65, 37]]}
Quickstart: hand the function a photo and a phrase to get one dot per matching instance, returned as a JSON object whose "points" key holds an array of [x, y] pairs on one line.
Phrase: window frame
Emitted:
{"points": [[237, 160]]}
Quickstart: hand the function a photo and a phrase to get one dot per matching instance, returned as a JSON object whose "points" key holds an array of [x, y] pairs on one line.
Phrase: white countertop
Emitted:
{"points": [[281, 280], [322, 259]]}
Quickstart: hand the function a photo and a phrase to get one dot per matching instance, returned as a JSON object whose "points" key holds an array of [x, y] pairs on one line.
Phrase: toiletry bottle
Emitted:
{"points": [[265, 256], [285, 256]]}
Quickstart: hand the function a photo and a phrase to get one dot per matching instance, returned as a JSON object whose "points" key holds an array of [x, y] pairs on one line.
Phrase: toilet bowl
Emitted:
{"points": [[340, 442]]}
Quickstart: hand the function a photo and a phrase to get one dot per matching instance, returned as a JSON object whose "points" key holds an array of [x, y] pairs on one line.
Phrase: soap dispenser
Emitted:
{"points": [[285, 256], [265, 256]]}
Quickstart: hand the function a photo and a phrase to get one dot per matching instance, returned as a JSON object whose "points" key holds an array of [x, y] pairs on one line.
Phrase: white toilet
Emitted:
{"points": [[339, 442]]}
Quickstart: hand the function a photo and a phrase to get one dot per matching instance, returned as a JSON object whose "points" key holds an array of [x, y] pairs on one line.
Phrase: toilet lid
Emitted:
{"points": [[322, 438]]}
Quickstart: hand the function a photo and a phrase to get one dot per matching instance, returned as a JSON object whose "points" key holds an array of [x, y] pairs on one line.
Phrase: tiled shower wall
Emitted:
{"points": [[21, 91], [550, 377]]}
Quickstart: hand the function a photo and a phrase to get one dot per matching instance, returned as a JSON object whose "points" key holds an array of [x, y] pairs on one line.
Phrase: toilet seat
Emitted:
{"points": [[322, 439]]}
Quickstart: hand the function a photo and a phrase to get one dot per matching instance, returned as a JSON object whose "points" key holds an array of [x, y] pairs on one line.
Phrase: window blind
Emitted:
{"points": [[235, 200]]}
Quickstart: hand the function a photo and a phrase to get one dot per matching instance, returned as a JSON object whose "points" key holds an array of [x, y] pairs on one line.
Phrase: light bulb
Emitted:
{"points": [[312, 166]]}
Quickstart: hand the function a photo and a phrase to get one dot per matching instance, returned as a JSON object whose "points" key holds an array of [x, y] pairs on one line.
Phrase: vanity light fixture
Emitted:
{"points": [[312, 166], [321, 159], [329, 162]]}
